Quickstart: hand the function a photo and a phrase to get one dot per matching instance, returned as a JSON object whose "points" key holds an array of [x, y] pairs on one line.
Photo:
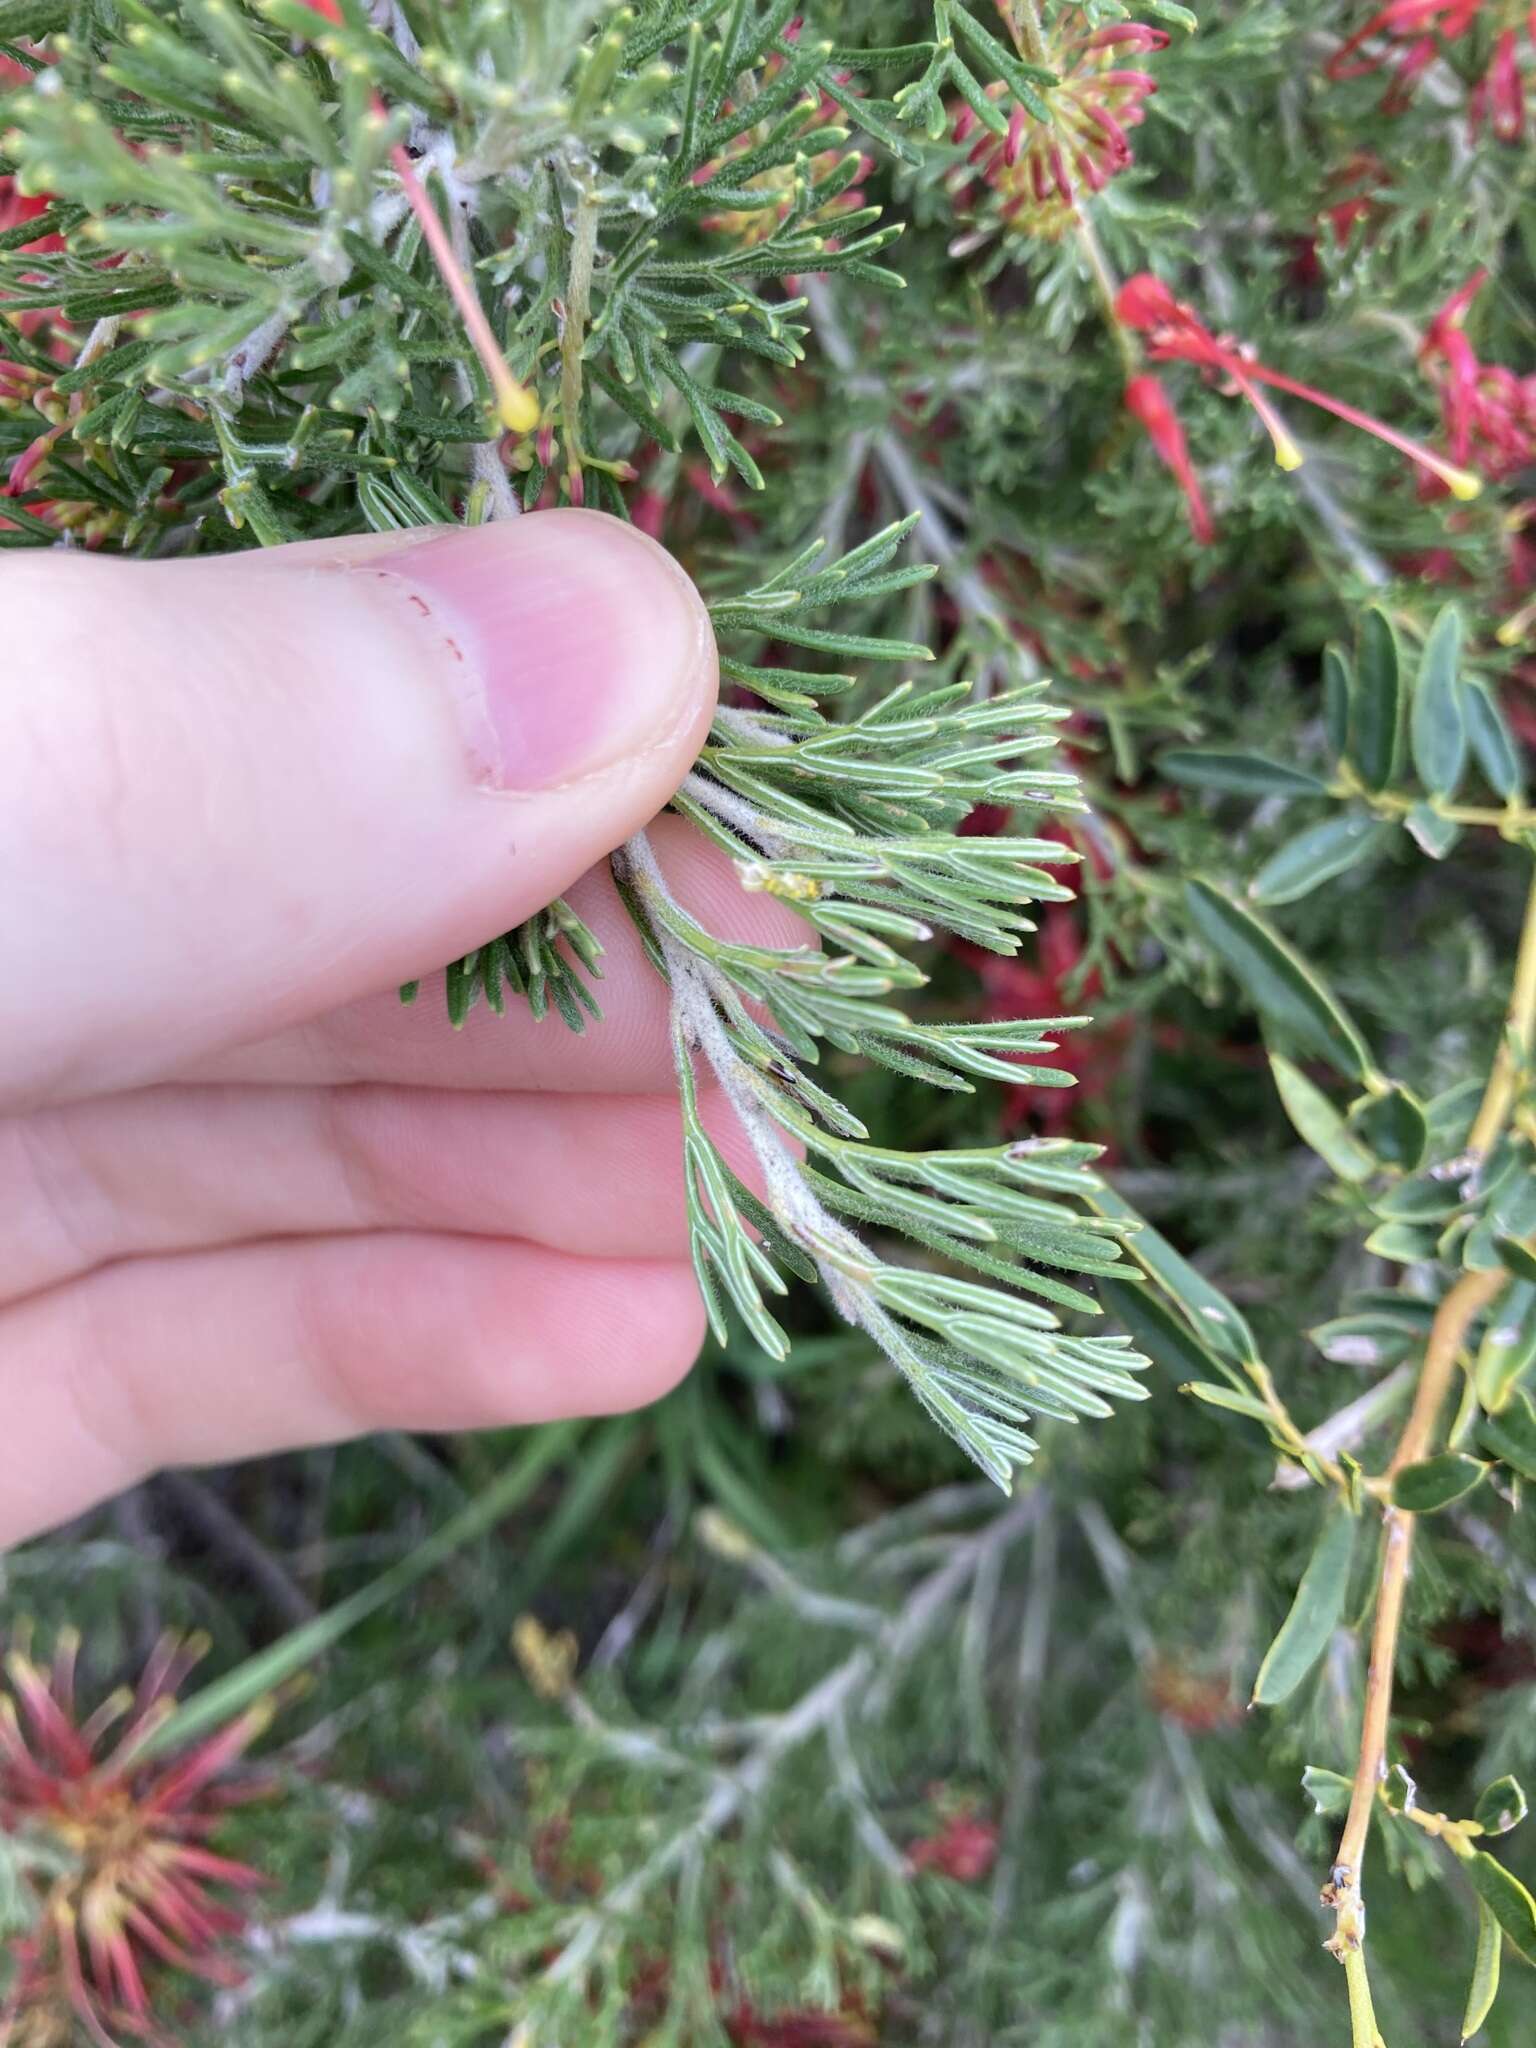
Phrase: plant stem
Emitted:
{"points": [[573, 335], [1023, 18], [1454, 1317]]}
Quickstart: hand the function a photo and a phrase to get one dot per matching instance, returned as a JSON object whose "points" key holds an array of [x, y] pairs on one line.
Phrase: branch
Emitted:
{"points": [[1453, 1319]]}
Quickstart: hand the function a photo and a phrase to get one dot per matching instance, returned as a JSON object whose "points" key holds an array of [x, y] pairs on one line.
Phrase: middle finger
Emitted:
{"points": [[175, 1169]]}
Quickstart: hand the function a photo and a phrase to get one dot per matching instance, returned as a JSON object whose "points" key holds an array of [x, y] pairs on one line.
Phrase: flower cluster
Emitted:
{"points": [[1417, 32], [131, 1833], [1173, 332], [1489, 412], [1027, 181]]}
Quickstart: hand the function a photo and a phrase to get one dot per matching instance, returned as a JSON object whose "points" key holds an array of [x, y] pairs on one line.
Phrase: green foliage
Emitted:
{"points": [[1288, 787]]}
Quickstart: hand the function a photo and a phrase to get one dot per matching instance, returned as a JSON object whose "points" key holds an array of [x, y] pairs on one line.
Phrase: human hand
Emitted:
{"points": [[250, 1200]]}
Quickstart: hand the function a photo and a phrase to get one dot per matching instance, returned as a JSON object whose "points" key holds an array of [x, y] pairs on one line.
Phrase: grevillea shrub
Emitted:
{"points": [[1103, 437]]}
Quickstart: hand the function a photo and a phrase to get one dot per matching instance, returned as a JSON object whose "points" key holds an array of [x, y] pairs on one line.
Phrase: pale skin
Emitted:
{"points": [[251, 1201]]}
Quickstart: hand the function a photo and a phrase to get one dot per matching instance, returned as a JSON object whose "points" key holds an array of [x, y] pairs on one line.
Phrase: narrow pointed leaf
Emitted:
{"points": [[1484, 1988], [1314, 1615], [1376, 704], [1217, 1325], [1493, 747], [1285, 988], [1319, 1124], [1237, 774], [1507, 1899], [1317, 855]]}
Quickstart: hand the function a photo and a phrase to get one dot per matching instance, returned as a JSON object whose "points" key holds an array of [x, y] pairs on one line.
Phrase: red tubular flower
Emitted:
{"points": [[1418, 23], [1148, 402], [1421, 28], [1176, 333], [136, 1895], [1027, 180], [1498, 98], [965, 1848], [1489, 412]]}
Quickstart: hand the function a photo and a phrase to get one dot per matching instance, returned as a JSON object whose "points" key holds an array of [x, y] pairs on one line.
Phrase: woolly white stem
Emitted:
{"points": [[737, 812], [844, 1264]]}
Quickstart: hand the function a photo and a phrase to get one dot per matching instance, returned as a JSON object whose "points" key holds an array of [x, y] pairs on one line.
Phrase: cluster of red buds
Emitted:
{"points": [[1027, 181], [1174, 332], [131, 1831], [1416, 32]]}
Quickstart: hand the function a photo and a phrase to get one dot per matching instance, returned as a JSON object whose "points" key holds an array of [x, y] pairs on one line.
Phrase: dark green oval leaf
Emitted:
{"points": [[1422, 1489], [1405, 1244], [1438, 729], [1508, 1347], [1328, 1790], [1368, 1340], [1376, 705], [1317, 855], [1516, 1257], [1230, 1398], [1419, 1199], [1319, 1124], [1394, 1126], [1493, 746], [1511, 1435], [1277, 980], [1501, 1806], [1237, 774], [1314, 1612], [1431, 831], [1507, 1899]]}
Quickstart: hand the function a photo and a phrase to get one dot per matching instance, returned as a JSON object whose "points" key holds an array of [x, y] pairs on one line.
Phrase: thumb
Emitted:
{"points": [[237, 791]]}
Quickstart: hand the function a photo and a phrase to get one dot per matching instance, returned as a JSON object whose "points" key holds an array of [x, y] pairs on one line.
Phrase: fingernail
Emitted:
{"points": [[567, 639]]}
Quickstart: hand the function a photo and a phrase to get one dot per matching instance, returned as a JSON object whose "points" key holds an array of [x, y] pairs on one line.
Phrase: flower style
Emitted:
{"points": [[135, 1894], [1420, 28], [1028, 180], [1174, 332]]}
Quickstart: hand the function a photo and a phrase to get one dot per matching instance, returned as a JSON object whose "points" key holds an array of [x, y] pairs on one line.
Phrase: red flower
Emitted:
{"points": [[747, 2028], [1148, 402], [1422, 28], [1176, 333], [1033, 173], [1498, 98], [136, 1894], [1489, 412], [965, 1848]]}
